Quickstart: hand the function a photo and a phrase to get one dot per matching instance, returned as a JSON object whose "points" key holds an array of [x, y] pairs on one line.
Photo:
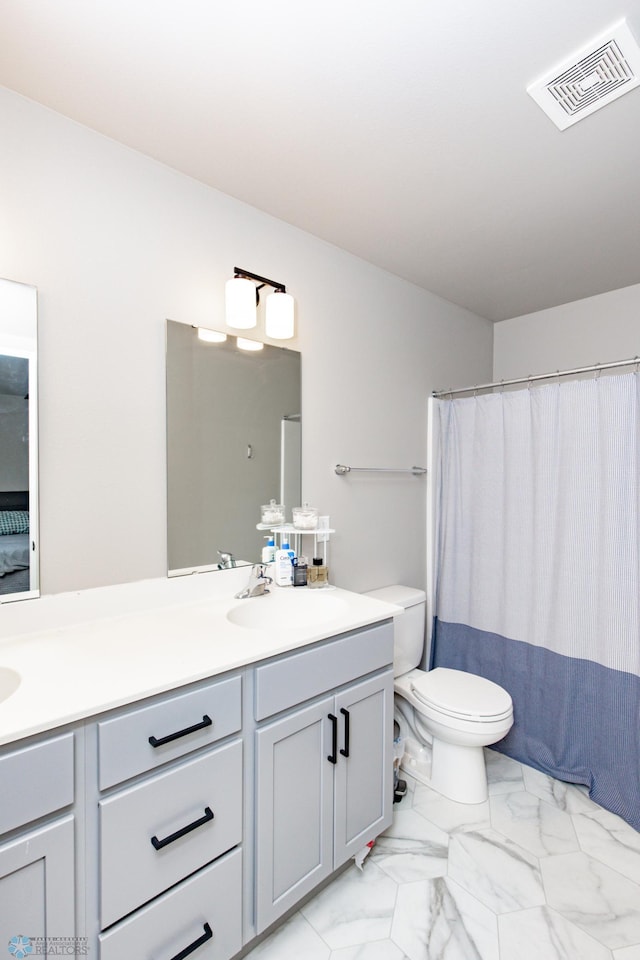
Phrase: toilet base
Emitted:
{"points": [[456, 772], [416, 761]]}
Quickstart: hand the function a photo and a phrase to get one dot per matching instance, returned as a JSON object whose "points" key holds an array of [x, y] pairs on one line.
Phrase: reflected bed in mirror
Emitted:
{"points": [[19, 576], [233, 444]]}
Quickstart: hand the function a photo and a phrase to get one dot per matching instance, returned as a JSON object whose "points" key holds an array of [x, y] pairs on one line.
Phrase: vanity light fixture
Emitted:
{"points": [[241, 300], [211, 336], [244, 344], [278, 321]]}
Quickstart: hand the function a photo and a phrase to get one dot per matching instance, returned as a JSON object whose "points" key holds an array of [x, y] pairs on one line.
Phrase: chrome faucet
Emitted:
{"points": [[257, 585], [227, 560]]}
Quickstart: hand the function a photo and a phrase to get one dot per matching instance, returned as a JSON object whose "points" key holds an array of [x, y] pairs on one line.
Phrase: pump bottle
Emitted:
{"points": [[283, 573], [269, 551]]}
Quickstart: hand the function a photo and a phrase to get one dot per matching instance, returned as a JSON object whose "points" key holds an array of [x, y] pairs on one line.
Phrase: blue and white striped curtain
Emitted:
{"points": [[538, 572]]}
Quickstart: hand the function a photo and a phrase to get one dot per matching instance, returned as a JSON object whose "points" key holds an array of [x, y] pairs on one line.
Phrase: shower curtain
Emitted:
{"points": [[538, 572]]}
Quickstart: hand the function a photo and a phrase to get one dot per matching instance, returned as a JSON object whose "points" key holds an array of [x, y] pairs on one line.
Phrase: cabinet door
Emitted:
{"points": [[294, 814], [364, 772], [37, 885]]}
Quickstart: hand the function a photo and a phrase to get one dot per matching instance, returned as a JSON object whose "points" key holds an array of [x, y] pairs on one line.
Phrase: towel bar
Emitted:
{"points": [[341, 470]]}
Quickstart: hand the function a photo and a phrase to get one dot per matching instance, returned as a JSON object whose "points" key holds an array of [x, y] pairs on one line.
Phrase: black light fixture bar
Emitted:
{"points": [[262, 281]]}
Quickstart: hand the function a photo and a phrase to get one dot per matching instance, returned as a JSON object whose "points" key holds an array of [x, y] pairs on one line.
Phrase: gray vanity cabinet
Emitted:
{"points": [[37, 886], [187, 823], [169, 825], [323, 769]]}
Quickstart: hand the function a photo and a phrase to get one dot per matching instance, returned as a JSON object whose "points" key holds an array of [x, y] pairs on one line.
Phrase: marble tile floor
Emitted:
{"points": [[538, 872]]}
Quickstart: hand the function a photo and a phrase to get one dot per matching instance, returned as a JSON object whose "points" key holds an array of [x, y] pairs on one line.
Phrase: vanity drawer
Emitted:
{"points": [[207, 905], [301, 676], [155, 834], [150, 736], [35, 781]]}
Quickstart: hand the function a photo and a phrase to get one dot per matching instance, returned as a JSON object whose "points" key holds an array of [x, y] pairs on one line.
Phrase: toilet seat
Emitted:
{"points": [[464, 696]]}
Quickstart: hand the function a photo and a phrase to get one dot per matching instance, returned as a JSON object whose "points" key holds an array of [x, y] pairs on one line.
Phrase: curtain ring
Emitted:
{"points": [[502, 385], [597, 371], [529, 381], [637, 359]]}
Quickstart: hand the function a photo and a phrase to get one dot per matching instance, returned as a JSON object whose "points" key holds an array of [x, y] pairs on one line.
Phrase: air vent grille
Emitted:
{"points": [[596, 75]]}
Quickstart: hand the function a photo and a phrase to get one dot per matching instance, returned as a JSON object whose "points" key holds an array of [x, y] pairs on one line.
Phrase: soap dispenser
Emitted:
{"points": [[269, 551]]}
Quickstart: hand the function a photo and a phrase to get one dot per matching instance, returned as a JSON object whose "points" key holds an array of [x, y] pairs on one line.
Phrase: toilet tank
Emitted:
{"points": [[408, 638]]}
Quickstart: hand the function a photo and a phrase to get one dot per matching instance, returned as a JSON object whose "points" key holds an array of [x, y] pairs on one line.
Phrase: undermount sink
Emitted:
{"points": [[287, 608], [9, 682]]}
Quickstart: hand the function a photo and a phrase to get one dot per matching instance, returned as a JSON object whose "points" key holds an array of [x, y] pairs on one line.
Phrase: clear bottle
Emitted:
{"points": [[318, 573], [300, 572]]}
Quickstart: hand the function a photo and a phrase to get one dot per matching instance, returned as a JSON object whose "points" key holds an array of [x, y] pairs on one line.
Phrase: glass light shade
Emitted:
{"points": [[240, 303], [279, 316], [211, 336], [244, 344]]}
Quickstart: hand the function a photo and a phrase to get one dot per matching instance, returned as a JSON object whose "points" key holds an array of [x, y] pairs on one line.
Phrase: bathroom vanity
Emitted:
{"points": [[187, 780]]}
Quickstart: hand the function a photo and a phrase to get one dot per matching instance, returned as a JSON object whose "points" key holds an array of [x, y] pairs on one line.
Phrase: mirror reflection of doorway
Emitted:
{"points": [[290, 459], [14, 475], [19, 574]]}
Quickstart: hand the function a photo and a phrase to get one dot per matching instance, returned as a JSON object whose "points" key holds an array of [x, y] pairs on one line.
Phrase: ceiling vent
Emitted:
{"points": [[602, 71]]}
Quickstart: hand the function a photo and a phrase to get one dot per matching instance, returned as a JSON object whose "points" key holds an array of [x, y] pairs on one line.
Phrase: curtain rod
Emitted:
{"points": [[538, 376]]}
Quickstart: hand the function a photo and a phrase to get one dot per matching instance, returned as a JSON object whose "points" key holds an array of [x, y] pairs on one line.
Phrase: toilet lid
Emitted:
{"points": [[463, 695]]}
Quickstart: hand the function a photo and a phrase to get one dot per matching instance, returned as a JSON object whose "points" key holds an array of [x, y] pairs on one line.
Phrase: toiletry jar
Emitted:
{"points": [[305, 518], [272, 513]]}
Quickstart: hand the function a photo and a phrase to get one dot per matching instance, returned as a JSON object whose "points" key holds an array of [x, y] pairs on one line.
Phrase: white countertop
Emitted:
{"points": [[83, 653]]}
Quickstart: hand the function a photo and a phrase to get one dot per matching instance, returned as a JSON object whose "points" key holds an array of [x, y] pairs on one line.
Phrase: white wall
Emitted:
{"points": [[595, 330], [116, 243]]}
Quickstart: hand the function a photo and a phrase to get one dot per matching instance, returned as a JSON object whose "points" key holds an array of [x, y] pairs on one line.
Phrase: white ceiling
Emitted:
{"points": [[400, 130]]}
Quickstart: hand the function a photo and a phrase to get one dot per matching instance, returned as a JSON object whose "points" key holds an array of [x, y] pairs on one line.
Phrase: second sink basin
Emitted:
{"points": [[287, 608], [9, 682]]}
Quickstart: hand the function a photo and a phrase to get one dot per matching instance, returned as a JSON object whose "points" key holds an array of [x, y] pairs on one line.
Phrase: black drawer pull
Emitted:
{"points": [[333, 756], [207, 935], [159, 844], [205, 722], [345, 750]]}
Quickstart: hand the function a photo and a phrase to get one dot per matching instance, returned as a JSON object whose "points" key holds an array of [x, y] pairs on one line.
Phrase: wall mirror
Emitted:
{"points": [[233, 444], [19, 569]]}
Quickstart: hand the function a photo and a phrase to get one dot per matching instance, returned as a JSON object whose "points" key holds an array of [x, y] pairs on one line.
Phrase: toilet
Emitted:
{"points": [[446, 717]]}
